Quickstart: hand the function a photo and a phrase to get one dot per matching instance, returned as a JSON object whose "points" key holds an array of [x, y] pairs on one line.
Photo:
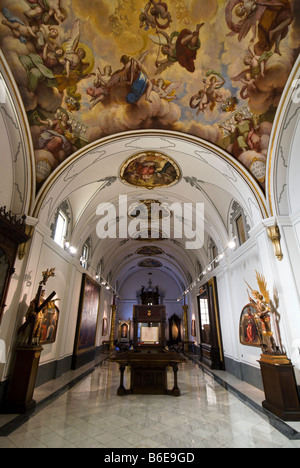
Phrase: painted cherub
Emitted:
{"points": [[99, 91], [151, 14], [46, 10], [246, 7], [165, 89], [19, 29], [208, 95], [249, 85]]}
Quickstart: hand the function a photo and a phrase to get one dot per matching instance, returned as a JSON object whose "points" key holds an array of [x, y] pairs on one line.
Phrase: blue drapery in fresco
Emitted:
{"points": [[138, 88]]}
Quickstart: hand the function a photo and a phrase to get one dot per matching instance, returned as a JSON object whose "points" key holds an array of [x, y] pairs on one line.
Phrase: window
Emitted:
{"points": [[62, 223], [85, 256], [238, 221], [60, 229], [240, 229], [204, 319]]}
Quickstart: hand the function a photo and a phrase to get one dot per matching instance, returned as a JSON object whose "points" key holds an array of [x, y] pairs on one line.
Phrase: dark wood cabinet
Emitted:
{"points": [[12, 235], [174, 330], [210, 330]]}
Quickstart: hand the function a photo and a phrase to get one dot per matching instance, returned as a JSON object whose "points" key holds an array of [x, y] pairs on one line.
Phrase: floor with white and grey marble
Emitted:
{"points": [[91, 415]]}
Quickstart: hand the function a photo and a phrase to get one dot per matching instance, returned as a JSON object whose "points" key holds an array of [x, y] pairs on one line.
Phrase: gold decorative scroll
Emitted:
{"points": [[275, 237]]}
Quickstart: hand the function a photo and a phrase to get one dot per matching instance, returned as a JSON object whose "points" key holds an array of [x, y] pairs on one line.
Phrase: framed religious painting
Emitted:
{"points": [[87, 322], [250, 327], [150, 170], [49, 324]]}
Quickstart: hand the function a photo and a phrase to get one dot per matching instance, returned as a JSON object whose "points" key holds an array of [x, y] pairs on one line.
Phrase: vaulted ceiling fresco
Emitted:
{"points": [[211, 68]]}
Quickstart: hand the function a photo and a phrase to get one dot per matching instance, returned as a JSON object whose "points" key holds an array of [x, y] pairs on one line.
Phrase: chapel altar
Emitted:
{"points": [[149, 360]]}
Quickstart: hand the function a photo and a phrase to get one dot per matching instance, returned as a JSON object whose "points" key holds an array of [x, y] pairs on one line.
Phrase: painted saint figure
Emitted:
{"points": [[268, 19], [246, 136], [133, 74], [56, 138]]}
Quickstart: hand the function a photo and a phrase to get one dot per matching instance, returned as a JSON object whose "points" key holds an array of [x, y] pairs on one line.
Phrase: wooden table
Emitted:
{"points": [[149, 371]]}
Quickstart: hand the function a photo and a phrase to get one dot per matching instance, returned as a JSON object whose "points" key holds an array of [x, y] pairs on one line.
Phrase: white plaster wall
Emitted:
{"points": [[233, 297], [294, 171], [258, 254]]}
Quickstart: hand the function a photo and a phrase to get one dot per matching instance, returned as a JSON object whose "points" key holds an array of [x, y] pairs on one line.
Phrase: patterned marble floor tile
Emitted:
{"points": [[91, 415]]}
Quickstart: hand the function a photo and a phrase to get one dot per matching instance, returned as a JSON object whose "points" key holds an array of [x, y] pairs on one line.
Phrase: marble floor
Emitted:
{"points": [[91, 415]]}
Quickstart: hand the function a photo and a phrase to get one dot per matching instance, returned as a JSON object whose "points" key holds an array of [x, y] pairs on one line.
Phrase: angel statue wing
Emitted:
{"points": [[262, 283]]}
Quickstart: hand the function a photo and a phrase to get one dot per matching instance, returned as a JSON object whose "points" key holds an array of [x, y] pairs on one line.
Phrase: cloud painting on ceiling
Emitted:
{"points": [[211, 68]]}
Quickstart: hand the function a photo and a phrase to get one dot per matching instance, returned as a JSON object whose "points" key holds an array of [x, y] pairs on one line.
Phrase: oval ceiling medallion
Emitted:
{"points": [[150, 263], [150, 251], [150, 170]]}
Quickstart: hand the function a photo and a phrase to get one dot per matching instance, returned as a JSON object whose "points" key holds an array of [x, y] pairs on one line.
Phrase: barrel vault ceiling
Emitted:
{"points": [[193, 84]]}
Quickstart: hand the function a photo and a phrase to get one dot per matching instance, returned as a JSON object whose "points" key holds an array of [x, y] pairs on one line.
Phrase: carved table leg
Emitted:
{"points": [[176, 390], [122, 390]]}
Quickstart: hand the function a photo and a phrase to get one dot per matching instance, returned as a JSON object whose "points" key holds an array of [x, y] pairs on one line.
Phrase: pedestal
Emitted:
{"points": [[282, 398], [22, 385]]}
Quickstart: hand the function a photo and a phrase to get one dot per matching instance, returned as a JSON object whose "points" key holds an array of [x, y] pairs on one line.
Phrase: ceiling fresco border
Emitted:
{"points": [[138, 135], [284, 112], [24, 134], [65, 58]]}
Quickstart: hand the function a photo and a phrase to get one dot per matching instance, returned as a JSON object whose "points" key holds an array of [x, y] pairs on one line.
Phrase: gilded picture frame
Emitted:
{"points": [[49, 324], [250, 327]]}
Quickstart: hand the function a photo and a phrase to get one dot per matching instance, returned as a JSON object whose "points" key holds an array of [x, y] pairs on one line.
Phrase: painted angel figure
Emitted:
{"points": [[75, 66], [165, 89], [74, 54], [179, 48], [151, 14], [19, 29], [134, 74], [256, 69]]}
